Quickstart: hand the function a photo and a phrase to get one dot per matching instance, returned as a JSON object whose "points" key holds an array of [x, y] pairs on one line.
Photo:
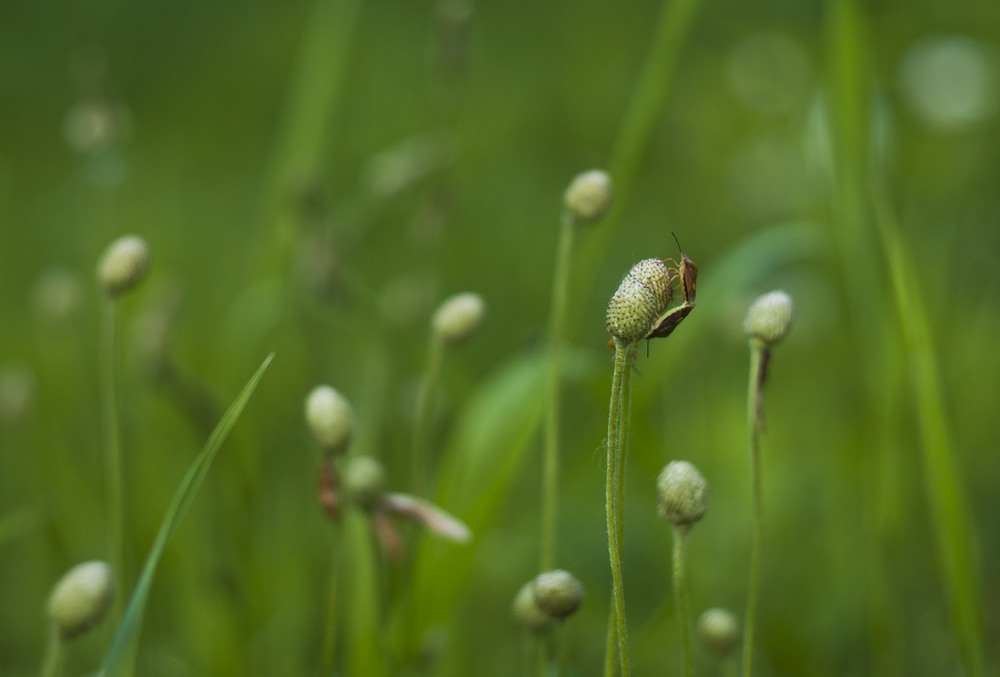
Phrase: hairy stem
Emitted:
{"points": [[680, 595], [758, 353]]}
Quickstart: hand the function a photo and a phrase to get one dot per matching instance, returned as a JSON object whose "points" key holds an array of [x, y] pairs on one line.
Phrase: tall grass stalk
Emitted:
{"points": [[681, 596], [615, 481], [422, 414], [112, 454], [954, 530], [550, 492], [755, 395]]}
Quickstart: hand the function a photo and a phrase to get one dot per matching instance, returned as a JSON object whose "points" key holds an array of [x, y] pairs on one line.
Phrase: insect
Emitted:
{"points": [[687, 272]]}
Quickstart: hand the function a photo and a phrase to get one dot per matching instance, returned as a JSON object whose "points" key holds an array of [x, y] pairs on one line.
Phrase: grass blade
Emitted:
{"points": [[119, 658]]}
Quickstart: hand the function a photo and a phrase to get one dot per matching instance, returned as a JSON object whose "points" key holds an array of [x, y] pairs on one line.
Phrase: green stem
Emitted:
{"points": [[615, 530], [53, 654], [421, 417], [113, 454], [680, 595], [754, 408], [550, 495], [332, 605]]}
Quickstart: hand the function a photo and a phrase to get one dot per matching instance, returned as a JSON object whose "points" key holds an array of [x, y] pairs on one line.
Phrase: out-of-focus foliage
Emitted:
{"points": [[314, 177]]}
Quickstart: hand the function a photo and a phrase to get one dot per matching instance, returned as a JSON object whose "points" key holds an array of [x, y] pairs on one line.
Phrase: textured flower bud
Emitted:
{"points": [[123, 264], [458, 318], [364, 481], [640, 300], [588, 197], [719, 630], [330, 417], [769, 317], [57, 296], [80, 599], [558, 593], [527, 612], [682, 493]]}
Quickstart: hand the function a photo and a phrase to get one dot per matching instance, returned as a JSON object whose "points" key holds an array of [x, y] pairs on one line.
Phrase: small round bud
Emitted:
{"points": [[719, 630], [458, 318], [330, 418], [527, 612], [123, 264], [588, 197], [769, 317], [558, 593], [364, 481], [641, 297], [80, 599], [682, 493]]}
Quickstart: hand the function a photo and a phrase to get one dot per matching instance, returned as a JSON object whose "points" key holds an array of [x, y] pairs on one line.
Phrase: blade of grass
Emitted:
{"points": [[119, 658], [954, 530]]}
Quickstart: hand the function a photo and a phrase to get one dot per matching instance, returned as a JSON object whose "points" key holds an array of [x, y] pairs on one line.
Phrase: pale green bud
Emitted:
{"points": [[330, 418], [526, 611], [640, 300], [682, 494], [364, 481], [558, 593], [769, 317], [458, 318], [719, 630], [80, 599], [588, 197], [123, 265]]}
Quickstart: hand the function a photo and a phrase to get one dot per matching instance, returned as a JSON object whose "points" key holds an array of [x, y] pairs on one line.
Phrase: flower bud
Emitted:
{"points": [[588, 197], [641, 297], [769, 317], [57, 296], [458, 318], [330, 417], [557, 593], [527, 612], [682, 493], [364, 481], [123, 264], [80, 599], [719, 630]]}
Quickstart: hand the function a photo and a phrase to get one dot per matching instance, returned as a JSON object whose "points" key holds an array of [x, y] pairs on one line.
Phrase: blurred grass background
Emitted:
{"points": [[314, 177]]}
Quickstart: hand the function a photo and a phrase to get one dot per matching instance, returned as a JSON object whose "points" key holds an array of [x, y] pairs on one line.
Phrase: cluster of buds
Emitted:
{"points": [[547, 599], [361, 479]]}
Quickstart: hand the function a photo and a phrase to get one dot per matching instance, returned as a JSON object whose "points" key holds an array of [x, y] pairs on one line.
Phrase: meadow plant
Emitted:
{"points": [[585, 202], [636, 310], [719, 632], [541, 604], [682, 495], [77, 603], [454, 322], [766, 323], [122, 266]]}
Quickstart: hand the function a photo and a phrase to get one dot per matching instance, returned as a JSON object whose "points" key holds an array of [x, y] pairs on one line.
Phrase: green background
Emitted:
{"points": [[255, 138]]}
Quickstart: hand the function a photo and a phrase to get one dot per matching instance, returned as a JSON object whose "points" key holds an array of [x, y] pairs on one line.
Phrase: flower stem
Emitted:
{"points": [[612, 494], [680, 595], [758, 355], [422, 415], [333, 603], [53, 654], [113, 455], [550, 495]]}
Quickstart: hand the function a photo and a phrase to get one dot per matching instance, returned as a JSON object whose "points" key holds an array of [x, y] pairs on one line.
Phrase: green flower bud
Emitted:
{"points": [[57, 296], [588, 197], [123, 265], [364, 481], [769, 317], [719, 630], [558, 593], [458, 318], [640, 300], [330, 418], [80, 599], [682, 493], [527, 612]]}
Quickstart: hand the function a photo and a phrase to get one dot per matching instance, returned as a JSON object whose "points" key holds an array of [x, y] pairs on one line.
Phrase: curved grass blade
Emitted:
{"points": [[120, 655]]}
